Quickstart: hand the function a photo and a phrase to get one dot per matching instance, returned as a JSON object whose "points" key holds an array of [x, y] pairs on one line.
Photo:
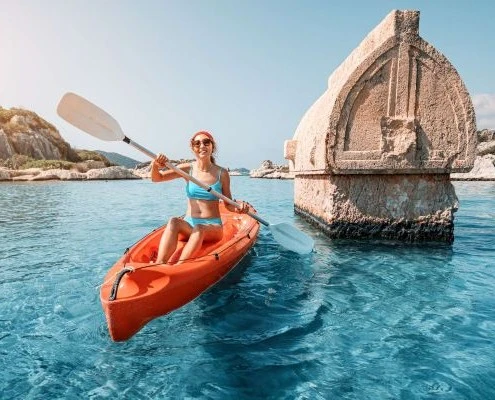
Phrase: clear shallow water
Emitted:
{"points": [[353, 320]]}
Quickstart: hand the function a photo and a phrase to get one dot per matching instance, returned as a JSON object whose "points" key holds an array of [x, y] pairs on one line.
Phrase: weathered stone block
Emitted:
{"points": [[401, 207], [372, 156]]}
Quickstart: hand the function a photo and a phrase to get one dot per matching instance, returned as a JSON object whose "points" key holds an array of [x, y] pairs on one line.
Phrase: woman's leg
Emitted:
{"points": [[170, 237], [200, 234]]}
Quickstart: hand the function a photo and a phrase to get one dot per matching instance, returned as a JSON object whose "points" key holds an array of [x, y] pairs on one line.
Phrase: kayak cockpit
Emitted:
{"points": [[146, 251]]}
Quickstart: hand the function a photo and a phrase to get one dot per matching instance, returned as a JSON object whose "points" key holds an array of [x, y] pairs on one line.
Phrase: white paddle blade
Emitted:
{"points": [[291, 238], [89, 118]]}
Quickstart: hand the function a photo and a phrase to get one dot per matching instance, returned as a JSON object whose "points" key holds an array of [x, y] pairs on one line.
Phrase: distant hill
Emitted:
{"points": [[239, 171], [119, 159]]}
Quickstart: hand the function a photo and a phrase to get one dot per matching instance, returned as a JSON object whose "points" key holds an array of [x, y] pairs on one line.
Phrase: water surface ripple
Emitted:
{"points": [[353, 320]]}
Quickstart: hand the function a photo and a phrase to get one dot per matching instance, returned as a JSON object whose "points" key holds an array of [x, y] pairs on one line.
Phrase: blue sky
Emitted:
{"points": [[245, 70]]}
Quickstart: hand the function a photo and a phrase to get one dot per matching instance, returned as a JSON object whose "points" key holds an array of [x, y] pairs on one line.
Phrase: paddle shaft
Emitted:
{"points": [[193, 179]]}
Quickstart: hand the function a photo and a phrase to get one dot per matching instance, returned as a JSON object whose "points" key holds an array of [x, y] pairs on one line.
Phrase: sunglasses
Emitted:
{"points": [[197, 143]]}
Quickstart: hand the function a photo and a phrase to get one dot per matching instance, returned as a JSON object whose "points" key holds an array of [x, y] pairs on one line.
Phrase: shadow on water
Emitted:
{"points": [[254, 328], [291, 325]]}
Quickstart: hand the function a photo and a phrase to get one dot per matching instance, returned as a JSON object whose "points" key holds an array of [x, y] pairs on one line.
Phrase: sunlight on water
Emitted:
{"points": [[352, 320]]}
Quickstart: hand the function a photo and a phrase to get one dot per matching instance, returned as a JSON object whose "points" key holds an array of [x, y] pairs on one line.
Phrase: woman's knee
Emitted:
{"points": [[174, 224]]}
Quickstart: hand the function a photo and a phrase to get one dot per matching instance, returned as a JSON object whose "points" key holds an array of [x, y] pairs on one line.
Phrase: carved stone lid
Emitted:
{"points": [[395, 105]]}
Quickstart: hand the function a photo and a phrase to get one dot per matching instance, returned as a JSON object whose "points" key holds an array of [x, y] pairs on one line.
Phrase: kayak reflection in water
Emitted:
{"points": [[202, 221]]}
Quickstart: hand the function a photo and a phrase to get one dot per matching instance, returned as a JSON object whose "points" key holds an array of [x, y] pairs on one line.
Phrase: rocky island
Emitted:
{"points": [[269, 170]]}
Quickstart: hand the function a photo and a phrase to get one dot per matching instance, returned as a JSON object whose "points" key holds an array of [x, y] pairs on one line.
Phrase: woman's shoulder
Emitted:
{"points": [[223, 174], [222, 170]]}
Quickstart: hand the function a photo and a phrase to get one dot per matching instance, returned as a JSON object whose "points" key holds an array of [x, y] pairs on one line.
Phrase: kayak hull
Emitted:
{"points": [[146, 291]]}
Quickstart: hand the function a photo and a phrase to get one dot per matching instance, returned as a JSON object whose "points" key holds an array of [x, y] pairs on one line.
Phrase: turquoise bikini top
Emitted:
{"points": [[196, 192]]}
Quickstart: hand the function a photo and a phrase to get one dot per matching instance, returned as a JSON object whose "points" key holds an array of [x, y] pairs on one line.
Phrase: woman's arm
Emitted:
{"points": [[161, 176], [227, 193]]}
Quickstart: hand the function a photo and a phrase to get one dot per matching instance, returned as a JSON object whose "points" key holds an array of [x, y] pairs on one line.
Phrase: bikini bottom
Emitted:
{"points": [[202, 221]]}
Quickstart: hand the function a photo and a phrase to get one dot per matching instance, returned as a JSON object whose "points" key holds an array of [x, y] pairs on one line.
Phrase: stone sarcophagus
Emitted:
{"points": [[372, 156]]}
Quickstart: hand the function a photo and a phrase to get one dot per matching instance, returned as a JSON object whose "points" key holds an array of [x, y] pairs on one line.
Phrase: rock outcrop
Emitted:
{"points": [[484, 163], [111, 173], [24, 132], [483, 170], [37, 174], [270, 170], [486, 148], [5, 175], [144, 172]]}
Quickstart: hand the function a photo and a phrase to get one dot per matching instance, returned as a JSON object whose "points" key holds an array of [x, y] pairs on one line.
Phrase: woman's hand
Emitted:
{"points": [[160, 160], [244, 207]]}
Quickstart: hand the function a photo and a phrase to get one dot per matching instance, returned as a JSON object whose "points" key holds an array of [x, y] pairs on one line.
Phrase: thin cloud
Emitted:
{"points": [[484, 105]]}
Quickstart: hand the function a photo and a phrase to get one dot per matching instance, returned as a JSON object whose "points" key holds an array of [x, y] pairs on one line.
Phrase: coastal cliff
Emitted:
{"points": [[23, 132]]}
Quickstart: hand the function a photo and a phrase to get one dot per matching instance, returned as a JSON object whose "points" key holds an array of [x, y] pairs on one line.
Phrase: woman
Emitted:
{"points": [[202, 221]]}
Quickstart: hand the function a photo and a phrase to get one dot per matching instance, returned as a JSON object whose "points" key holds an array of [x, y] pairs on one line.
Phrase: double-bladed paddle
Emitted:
{"points": [[98, 123]]}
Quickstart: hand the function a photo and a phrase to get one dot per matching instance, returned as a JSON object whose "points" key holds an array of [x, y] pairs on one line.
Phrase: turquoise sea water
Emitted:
{"points": [[353, 320]]}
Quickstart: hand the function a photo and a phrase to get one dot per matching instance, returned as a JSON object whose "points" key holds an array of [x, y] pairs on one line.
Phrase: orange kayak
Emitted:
{"points": [[135, 291]]}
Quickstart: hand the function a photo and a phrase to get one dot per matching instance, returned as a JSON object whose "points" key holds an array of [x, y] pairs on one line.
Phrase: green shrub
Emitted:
{"points": [[47, 164], [15, 161], [86, 155], [37, 121], [21, 161]]}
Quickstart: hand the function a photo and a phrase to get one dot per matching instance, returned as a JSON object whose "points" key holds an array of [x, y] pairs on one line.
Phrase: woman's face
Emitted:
{"points": [[202, 146]]}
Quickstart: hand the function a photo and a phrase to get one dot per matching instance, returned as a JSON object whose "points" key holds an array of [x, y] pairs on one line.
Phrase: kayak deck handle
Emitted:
{"points": [[118, 278]]}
